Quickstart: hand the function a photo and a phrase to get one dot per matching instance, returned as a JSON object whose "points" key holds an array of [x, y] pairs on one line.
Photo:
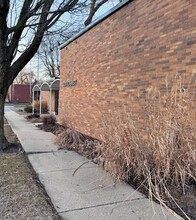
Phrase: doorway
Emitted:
{"points": [[56, 104]]}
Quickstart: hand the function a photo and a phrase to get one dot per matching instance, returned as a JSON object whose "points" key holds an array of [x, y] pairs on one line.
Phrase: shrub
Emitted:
{"points": [[28, 109], [50, 124], [32, 116]]}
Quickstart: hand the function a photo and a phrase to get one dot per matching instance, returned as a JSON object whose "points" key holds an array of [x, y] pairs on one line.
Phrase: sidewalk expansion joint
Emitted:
{"points": [[64, 169], [40, 152], [100, 205]]}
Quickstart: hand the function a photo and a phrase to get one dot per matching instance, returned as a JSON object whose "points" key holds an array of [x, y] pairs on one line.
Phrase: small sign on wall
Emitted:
{"points": [[70, 83]]}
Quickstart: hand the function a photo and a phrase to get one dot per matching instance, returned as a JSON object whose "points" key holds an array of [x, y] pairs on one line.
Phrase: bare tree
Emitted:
{"points": [[49, 52], [25, 77], [49, 49], [19, 19]]}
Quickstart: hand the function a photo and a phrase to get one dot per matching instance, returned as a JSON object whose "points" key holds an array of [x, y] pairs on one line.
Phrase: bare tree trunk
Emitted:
{"points": [[3, 140], [44, 14], [4, 85]]}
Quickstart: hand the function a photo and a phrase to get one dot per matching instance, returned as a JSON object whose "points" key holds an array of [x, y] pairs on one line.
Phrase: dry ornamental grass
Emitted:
{"points": [[157, 153]]}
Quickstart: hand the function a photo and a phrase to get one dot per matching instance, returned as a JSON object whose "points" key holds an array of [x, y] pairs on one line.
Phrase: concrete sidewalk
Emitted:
{"points": [[88, 194]]}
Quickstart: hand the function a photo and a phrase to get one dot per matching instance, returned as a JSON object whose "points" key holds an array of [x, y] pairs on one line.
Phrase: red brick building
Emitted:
{"points": [[114, 61], [48, 93], [55, 99], [19, 93]]}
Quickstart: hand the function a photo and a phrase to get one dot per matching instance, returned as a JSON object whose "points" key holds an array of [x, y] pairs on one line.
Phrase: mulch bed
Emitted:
{"points": [[186, 202], [51, 128], [35, 118]]}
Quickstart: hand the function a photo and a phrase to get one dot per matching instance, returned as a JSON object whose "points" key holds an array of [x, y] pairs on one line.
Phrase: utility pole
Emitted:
{"points": [[38, 66], [30, 83]]}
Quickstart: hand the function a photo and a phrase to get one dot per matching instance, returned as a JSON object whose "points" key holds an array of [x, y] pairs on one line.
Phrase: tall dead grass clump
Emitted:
{"points": [[158, 151], [44, 106], [69, 138]]}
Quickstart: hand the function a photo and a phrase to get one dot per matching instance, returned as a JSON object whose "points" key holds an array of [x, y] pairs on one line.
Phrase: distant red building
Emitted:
{"points": [[19, 93]]}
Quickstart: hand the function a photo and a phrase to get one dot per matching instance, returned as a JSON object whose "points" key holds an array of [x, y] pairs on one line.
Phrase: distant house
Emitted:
{"points": [[115, 60], [19, 93]]}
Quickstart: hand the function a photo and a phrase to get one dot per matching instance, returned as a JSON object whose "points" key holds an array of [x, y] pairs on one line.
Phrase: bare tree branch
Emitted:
{"points": [[24, 77], [32, 49], [50, 56], [30, 14], [93, 9], [22, 28]]}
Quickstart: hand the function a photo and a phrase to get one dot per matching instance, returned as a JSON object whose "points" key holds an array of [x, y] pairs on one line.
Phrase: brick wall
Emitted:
{"points": [[140, 46], [46, 98], [19, 93]]}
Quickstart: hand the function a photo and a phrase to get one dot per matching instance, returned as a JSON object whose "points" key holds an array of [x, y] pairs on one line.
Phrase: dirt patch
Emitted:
{"points": [[22, 195], [186, 203], [15, 146]]}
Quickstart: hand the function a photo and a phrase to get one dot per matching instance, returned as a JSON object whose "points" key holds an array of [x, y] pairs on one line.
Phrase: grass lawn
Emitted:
{"points": [[21, 194]]}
